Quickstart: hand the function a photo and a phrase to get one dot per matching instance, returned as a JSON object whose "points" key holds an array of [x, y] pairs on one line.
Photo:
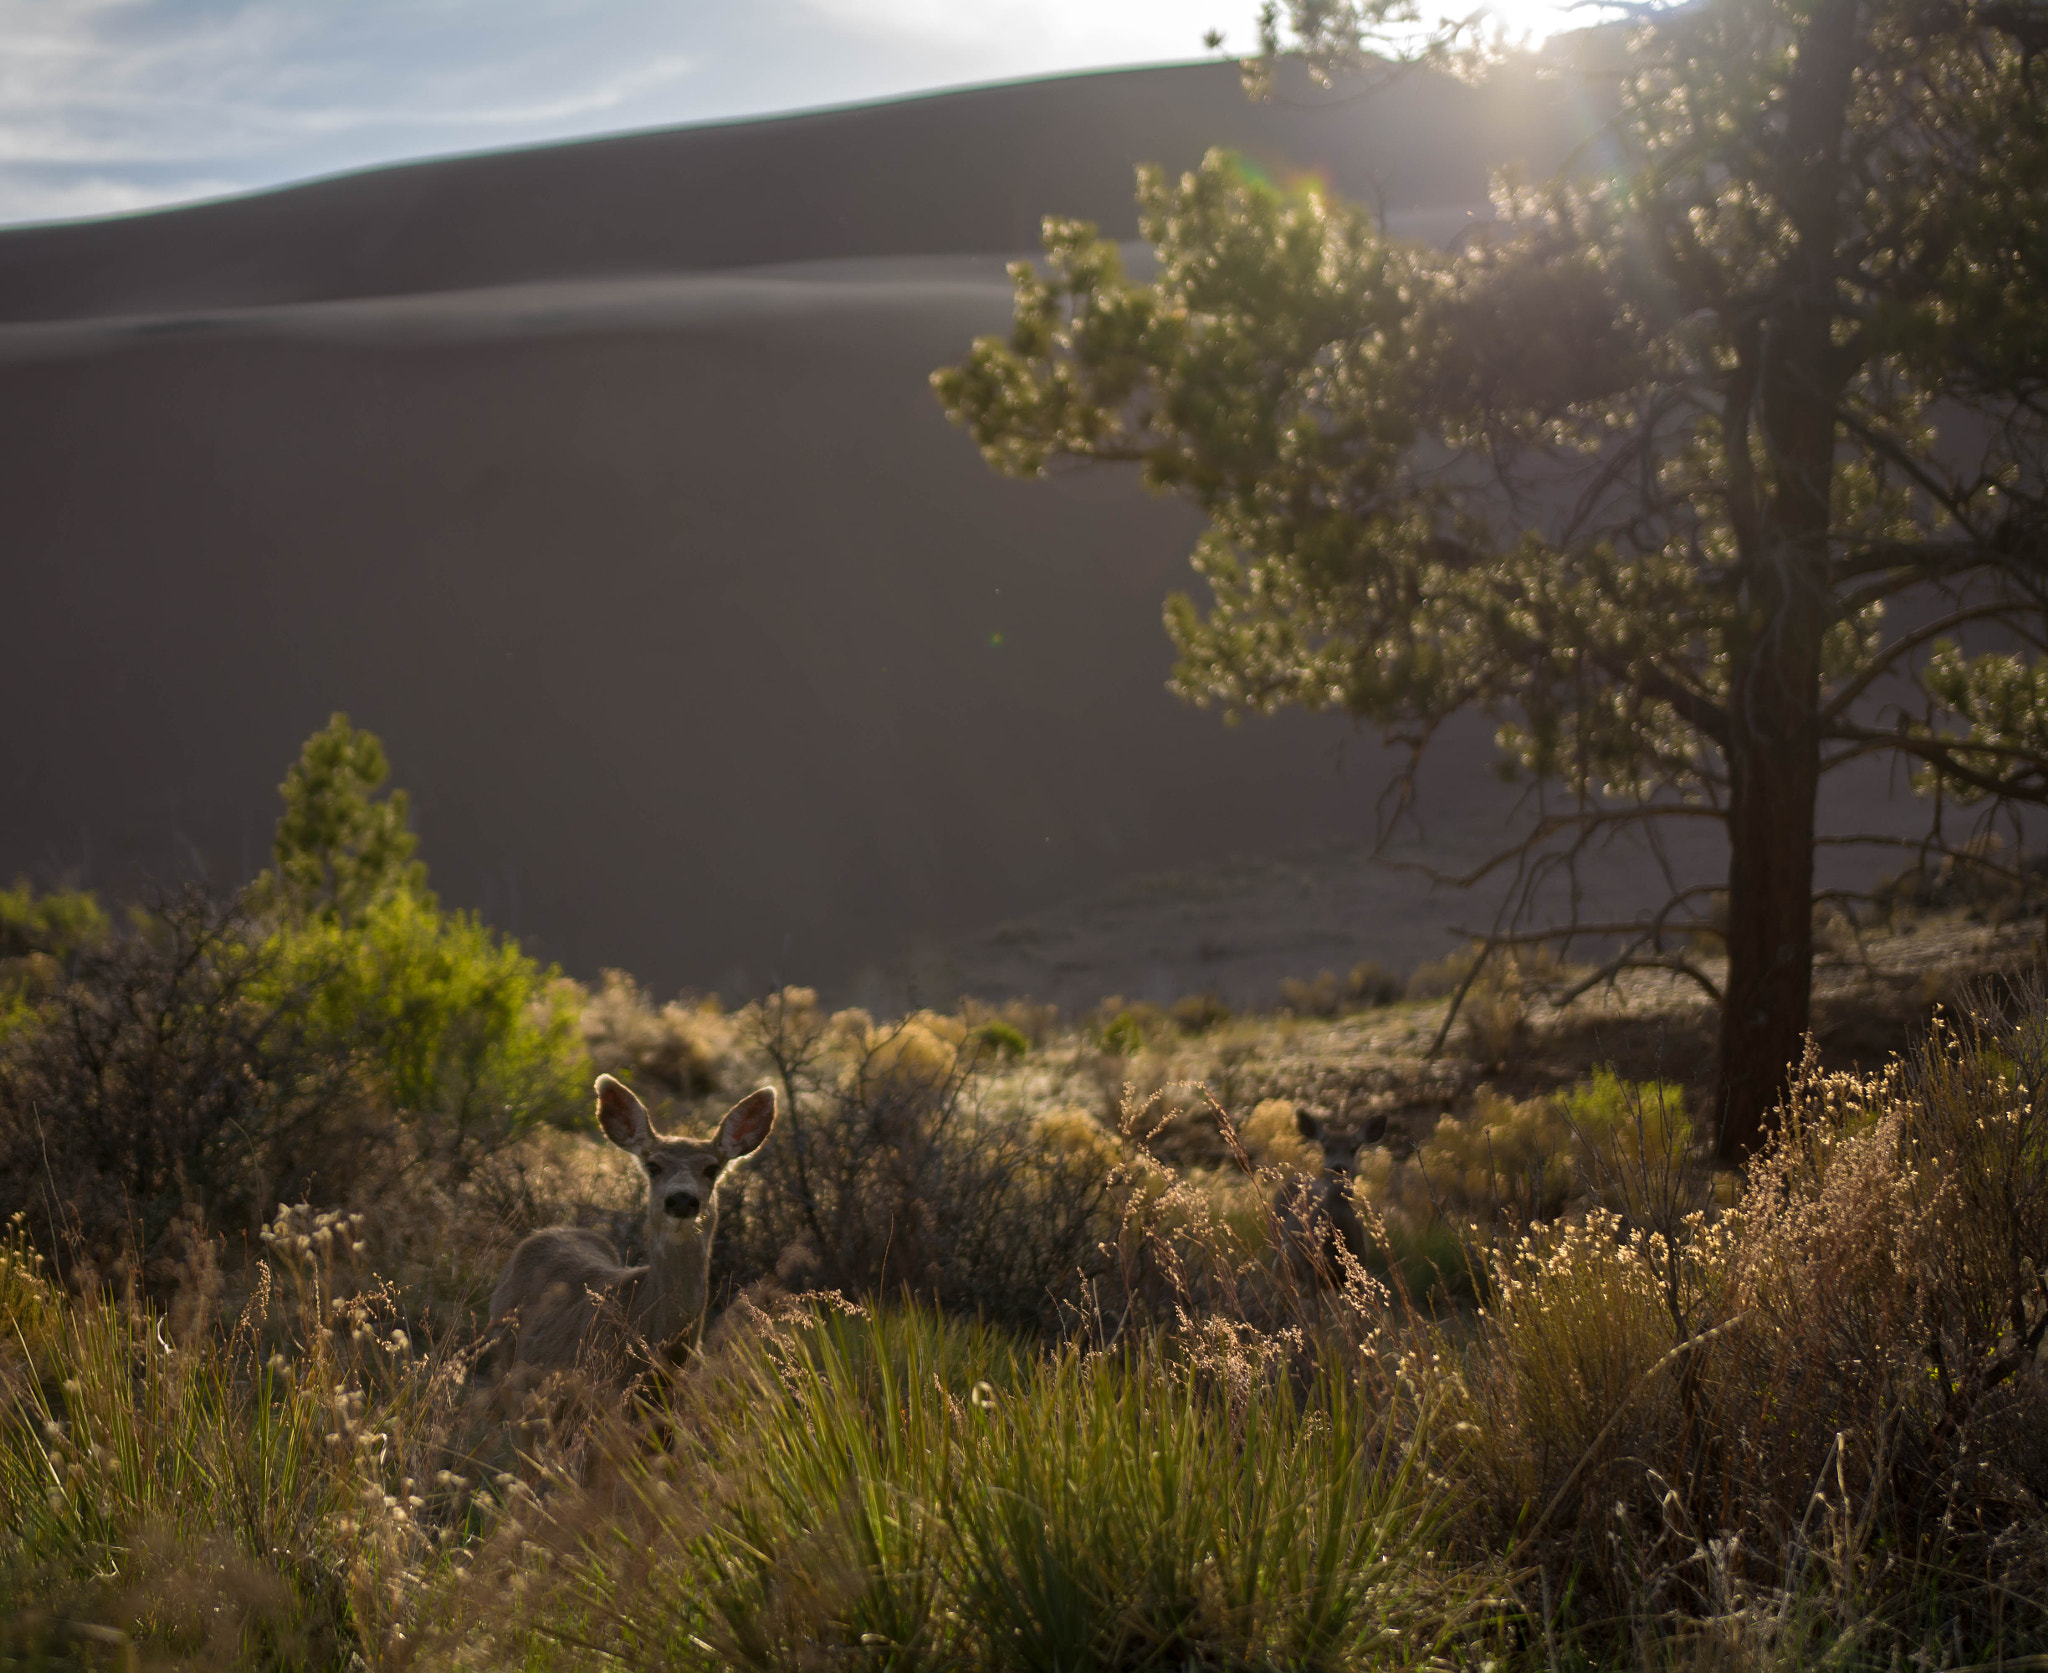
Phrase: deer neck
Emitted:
{"points": [[669, 1306]]}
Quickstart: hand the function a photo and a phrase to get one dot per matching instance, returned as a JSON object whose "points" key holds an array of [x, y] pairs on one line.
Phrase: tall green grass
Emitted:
{"points": [[900, 1491], [259, 1495]]}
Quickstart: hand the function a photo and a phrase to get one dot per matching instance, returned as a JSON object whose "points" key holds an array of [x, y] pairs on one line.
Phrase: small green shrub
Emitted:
{"points": [[1003, 1039], [42, 936], [1125, 1029], [1606, 1111], [467, 1035], [1122, 1035], [57, 924], [297, 1043], [1634, 1147], [1625, 1145]]}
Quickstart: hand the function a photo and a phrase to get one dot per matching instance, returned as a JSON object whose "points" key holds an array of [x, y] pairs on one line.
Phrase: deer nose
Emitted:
{"points": [[679, 1205]]}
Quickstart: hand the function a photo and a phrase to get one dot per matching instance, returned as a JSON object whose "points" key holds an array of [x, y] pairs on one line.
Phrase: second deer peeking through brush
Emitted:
{"points": [[566, 1292], [1316, 1222]]}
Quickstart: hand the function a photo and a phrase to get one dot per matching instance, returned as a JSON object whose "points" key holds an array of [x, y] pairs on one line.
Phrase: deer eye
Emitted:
{"points": [[653, 1170]]}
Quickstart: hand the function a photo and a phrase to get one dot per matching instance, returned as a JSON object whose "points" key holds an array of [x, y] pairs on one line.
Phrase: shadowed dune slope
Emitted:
{"points": [[706, 646], [710, 651]]}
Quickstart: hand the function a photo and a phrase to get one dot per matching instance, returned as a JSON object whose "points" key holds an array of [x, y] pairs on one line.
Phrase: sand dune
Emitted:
{"points": [[790, 293], [604, 482], [972, 171]]}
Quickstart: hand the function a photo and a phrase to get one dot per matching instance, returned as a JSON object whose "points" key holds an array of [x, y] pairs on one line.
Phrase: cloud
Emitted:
{"points": [[431, 107], [1069, 33], [159, 81], [112, 105], [95, 195]]}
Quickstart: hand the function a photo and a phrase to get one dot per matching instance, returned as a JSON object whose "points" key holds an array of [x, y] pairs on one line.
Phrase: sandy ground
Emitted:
{"points": [[1241, 927]]}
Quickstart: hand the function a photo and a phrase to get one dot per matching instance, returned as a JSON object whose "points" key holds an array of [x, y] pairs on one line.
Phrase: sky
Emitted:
{"points": [[109, 106]]}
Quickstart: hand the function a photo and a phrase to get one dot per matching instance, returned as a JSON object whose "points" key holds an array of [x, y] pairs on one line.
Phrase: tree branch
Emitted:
{"points": [[1905, 645]]}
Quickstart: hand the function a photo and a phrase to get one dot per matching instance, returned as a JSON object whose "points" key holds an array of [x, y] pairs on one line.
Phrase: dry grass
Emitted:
{"points": [[1811, 1422]]}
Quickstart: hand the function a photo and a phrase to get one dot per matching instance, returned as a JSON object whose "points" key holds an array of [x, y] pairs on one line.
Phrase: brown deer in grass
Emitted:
{"points": [[1315, 1219], [566, 1291]]}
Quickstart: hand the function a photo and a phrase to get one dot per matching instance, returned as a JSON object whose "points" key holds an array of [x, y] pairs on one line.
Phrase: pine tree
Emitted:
{"points": [[1704, 471], [340, 849]]}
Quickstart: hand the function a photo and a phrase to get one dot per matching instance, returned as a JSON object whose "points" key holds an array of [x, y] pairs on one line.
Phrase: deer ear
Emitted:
{"points": [[622, 1116], [1307, 1126], [746, 1124], [1376, 1128]]}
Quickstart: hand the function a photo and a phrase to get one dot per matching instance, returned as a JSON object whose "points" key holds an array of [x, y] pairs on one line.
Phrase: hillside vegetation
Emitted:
{"points": [[1010, 1366]]}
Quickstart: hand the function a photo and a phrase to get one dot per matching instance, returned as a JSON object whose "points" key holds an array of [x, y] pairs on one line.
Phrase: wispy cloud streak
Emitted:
{"points": [[113, 104], [108, 105]]}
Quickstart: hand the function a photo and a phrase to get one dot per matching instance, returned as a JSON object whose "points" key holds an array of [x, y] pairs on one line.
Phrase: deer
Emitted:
{"points": [[1315, 1218], [565, 1291]]}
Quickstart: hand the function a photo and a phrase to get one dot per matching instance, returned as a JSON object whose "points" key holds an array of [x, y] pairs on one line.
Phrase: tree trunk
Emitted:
{"points": [[1773, 744], [1773, 750], [1773, 777]]}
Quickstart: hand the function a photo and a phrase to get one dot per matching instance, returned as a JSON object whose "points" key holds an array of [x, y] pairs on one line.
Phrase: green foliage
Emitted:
{"points": [[1003, 1039], [1624, 1145], [1608, 1110], [1123, 1035], [2000, 701], [904, 1492], [339, 849], [466, 1032], [1123, 1029], [221, 1056], [295, 1044], [41, 937], [56, 924]]}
